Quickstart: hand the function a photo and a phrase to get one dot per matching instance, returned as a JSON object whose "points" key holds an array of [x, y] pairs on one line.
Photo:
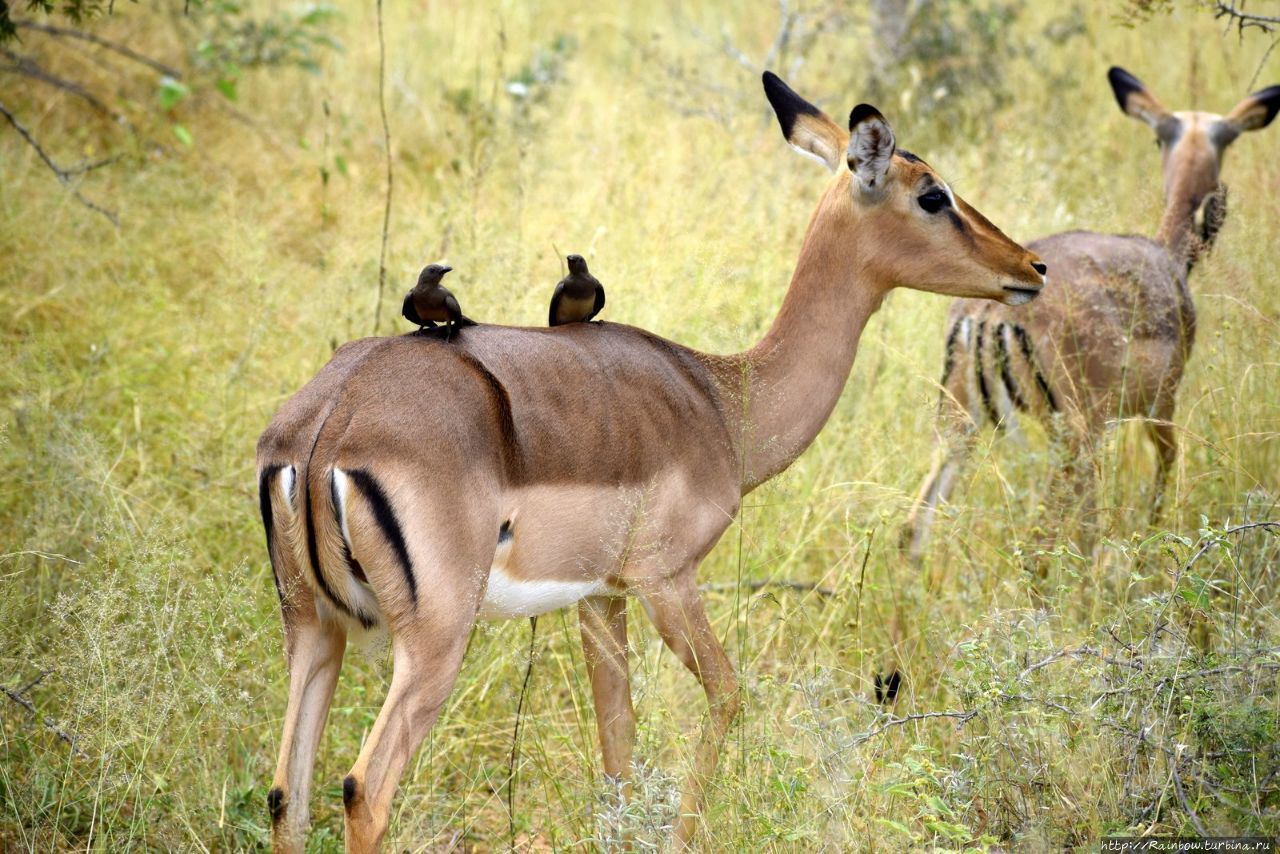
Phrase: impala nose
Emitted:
{"points": [[1040, 267]]}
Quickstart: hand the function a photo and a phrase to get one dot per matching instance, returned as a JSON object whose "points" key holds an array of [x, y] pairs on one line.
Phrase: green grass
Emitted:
{"points": [[138, 365]]}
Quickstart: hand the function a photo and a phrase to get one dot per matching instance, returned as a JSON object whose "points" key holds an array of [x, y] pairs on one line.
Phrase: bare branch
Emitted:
{"points": [[123, 50], [1242, 19], [961, 718], [48, 722], [27, 67], [785, 584], [64, 177]]}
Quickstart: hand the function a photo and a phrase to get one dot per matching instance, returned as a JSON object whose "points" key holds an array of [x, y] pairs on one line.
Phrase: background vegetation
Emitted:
{"points": [[138, 363]]}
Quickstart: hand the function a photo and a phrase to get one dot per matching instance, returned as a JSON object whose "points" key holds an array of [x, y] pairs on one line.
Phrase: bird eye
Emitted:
{"points": [[934, 201]]}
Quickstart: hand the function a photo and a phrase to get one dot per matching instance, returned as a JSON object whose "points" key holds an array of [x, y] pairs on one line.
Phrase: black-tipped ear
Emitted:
{"points": [[861, 113], [1123, 84], [1135, 99], [787, 105], [871, 147], [1257, 110]]}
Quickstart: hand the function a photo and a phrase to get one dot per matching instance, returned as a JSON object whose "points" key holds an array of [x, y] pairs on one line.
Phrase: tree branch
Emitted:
{"points": [[1242, 19], [26, 66], [123, 50], [64, 176]]}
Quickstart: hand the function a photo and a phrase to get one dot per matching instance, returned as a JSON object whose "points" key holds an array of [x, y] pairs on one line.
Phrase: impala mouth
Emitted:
{"points": [[1018, 295]]}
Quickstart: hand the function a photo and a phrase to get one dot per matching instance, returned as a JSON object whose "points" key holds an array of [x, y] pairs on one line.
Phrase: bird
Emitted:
{"points": [[429, 302], [579, 296]]}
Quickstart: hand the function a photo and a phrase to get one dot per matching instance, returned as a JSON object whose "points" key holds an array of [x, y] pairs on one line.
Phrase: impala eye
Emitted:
{"points": [[934, 201]]}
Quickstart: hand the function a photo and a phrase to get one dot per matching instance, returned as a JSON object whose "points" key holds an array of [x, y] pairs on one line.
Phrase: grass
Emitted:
{"points": [[138, 365]]}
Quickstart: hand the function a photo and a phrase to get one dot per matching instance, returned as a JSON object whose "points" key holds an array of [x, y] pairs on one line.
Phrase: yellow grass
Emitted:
{"points": [[139, 364]]}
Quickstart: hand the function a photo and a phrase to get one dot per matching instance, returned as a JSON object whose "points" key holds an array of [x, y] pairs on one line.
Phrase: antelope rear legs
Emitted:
{"points": [[677, 612], [426, 660], [314, 649]]}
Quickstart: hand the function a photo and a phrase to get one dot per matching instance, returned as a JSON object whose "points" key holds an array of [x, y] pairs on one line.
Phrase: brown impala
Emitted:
{"points": [[1113, 335], [418, 485]]}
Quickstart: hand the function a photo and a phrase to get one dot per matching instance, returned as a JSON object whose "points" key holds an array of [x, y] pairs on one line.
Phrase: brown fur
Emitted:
{"points": [[605, 454]]}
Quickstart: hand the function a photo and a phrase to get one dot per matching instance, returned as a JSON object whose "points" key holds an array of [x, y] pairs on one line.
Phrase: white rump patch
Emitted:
{"points": [[340, 484], [287, 478]]}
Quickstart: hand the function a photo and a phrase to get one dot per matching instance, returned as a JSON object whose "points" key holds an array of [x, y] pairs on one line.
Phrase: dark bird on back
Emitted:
{"points": [[430, 302], [579, 296]]}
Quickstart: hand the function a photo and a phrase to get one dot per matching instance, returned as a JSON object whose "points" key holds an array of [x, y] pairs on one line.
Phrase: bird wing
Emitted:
{"points": [[555, 303], [409, 311], [452, 307], [599, 300]]}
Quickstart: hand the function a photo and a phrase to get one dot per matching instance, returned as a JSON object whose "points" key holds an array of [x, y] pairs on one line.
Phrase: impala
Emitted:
{"points": [[418, 485], [1111, 337]]}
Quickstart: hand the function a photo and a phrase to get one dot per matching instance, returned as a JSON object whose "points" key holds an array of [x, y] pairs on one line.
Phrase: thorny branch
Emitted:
{"points": [[64, 175]]}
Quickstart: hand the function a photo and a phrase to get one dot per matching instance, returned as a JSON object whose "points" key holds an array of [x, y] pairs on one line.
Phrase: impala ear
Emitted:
{"points": [[806, 128], [1135, 98], [1256, 111], [871, 147]]}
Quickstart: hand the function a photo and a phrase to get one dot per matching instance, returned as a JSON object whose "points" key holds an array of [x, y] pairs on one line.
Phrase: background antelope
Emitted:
{"points": [[1110, 338], [416, 485]]}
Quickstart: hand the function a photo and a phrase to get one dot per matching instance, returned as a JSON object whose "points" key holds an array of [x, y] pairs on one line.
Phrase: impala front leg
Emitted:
{"points": [[677, 612]]}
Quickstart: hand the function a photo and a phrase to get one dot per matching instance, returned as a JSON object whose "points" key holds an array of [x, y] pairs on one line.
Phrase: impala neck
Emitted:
{"points": [[790, 381], [1185, 190]]}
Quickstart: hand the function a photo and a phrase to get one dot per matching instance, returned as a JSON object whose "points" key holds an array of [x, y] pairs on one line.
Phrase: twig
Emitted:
{"points": [[28, 67], [962, 718], [1182, 799], [803, 586], [386, 141], [48, 722], [1078, 652], [1243, 19], [63, 176], [123, 50], [515, 737]]}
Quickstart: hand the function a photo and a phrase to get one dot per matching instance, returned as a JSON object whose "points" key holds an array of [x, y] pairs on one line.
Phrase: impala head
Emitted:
{"points": [[1192, 143], [432, 274], [912, 230], [577, 264]]}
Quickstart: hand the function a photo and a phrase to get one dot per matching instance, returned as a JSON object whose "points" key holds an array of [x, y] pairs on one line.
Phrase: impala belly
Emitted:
{"points": [[506, 598], [563, 543]]}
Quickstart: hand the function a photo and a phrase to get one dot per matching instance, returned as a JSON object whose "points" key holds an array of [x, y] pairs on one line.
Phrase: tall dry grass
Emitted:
{"points": [[139, 364]]}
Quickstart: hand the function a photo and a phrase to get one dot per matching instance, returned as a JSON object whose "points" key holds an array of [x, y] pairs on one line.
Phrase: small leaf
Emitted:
{"points": [[183, 135], [227, 88], [172, 92], [341, 162]]}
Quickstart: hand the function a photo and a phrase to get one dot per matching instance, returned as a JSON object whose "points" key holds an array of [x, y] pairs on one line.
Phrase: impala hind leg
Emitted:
{"points": [[677, 612], [603, 621], [314, 648], [426, 658]]}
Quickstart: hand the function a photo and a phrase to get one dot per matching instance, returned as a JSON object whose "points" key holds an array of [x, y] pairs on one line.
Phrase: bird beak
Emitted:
{"points": [[448, 269]]}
